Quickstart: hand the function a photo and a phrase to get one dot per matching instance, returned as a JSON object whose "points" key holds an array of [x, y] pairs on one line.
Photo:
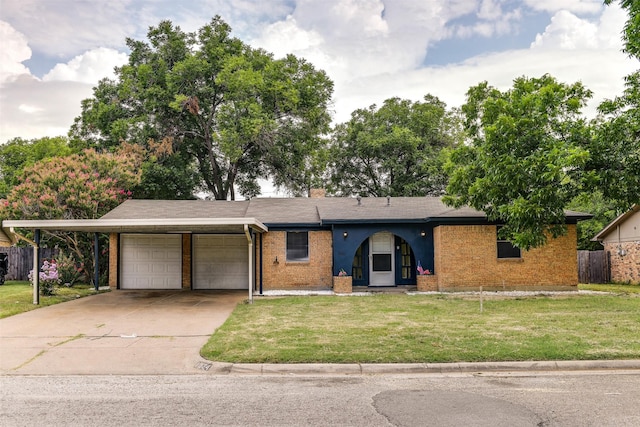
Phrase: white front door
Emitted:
{"points": [[381, 260]]}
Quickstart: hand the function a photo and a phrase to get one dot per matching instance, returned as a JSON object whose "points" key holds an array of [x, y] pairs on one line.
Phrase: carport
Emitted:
{"points": [[155, 239]]}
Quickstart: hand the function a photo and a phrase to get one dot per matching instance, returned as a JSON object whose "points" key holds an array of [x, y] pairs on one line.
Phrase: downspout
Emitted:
{"points": [[250, 243]]}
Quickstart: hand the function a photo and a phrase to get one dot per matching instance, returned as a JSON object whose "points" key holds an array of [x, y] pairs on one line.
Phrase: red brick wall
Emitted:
{"points": [[186, 261], [466, 258], [113, 260], [624, 269], [313, 274]]}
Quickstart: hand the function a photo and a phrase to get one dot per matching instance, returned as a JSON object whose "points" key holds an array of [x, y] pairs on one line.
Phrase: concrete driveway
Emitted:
{"points": [[119, 332]]}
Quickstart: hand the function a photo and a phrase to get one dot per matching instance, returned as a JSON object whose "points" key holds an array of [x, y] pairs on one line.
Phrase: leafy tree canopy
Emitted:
{"points": [[393, 150], [615, 151], [525, 160], [603, 212], [18, 154], [631, 35], [81, 186], [233, 112]]}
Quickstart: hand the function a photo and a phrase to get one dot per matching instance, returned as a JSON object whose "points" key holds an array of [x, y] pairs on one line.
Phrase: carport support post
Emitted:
{"points": [[36, 268], [247, 233], [96, 261]]}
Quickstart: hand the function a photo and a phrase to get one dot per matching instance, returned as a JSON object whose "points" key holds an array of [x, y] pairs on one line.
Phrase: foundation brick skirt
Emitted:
{"points": [[427, 283], [342, 284]]}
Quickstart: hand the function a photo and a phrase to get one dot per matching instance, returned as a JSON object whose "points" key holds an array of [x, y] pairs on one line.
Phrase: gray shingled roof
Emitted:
{"points": [[295, 210], [151, 209], [393, 209], [307, 211]]}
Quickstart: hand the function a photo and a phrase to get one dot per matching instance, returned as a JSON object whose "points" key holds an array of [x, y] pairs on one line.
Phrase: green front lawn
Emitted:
{"points": [[388, 328], [17, 297]]}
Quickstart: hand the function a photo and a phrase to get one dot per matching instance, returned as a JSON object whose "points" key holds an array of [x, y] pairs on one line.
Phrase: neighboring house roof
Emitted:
{"points": [[613, 225], [5, 239]]}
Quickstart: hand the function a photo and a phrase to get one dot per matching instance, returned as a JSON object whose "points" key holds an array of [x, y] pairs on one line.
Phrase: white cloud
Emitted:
{"points": [[567, 31], [371, 49], [603, 74], [32, 108], [493, 20], [14, 50], [63, 28], [29, 109], [576, 6], [90, 67], [352, 39], [283, 37]]}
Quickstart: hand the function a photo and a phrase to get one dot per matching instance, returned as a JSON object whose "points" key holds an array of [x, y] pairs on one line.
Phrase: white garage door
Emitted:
{"points": [[150, 261], [220, 262]]}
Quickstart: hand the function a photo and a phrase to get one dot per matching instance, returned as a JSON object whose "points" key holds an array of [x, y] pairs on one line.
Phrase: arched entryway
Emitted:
{"points": [[384, 259]]}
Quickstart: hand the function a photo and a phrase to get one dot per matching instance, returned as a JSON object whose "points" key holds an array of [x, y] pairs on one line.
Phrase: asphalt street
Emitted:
{"points": [[586, 398]]}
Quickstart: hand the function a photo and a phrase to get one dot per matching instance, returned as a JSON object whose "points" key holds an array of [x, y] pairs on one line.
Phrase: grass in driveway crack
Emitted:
{"points": [[44, 351], [76, 337]]}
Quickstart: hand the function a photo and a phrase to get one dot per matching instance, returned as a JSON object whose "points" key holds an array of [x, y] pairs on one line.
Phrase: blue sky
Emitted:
{"points": [[52, 52]]}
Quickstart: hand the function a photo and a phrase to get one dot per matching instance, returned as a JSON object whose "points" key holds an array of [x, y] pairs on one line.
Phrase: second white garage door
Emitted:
{"points": [[150, 261], [220, 262]]}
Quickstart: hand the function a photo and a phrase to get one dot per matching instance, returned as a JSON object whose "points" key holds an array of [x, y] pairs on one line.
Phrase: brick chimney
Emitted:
{"points": [[317, 193]]}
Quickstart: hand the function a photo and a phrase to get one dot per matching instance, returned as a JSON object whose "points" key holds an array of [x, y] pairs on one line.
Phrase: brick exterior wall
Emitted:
{"points": [[466, 258], [113, 260], [317, 193], [624, 269], [186, 261], [313, 274]]}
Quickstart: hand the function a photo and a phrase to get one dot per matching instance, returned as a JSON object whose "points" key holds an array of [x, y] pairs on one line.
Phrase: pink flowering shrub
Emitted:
{"points": [[49, 278], [69, 271]]}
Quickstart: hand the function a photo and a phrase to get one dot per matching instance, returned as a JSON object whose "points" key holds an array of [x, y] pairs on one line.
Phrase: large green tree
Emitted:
{"points": [[525, 159], [233, 112], [615, 152], [394, 150], [18, 154]]}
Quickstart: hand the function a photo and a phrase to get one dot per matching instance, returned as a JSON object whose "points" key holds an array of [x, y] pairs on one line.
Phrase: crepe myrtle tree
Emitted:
{"points": [[525, 158], [233, 112], [80, 186]]}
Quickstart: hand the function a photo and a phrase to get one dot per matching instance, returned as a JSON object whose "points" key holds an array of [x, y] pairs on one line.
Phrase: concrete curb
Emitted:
{"points": [[221, 368]]}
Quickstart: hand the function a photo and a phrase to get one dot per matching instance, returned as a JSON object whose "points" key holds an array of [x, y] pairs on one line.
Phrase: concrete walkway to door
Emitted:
{"points": [[119, 332]]}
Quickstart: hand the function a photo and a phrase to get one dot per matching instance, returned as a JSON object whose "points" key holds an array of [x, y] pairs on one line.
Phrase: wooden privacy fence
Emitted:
{"points": [[593, 267], [21, 261]]}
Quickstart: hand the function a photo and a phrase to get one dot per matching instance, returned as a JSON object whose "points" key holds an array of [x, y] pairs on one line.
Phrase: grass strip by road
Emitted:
{"points": [[17, 297], [391, 328]]}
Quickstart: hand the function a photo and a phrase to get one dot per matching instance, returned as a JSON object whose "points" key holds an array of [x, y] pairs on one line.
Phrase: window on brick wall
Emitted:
{"points": [[506, 249], [297, 246]]}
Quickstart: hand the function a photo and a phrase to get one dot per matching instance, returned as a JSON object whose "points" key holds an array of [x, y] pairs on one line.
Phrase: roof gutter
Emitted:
{"points": [[124, 225]]}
